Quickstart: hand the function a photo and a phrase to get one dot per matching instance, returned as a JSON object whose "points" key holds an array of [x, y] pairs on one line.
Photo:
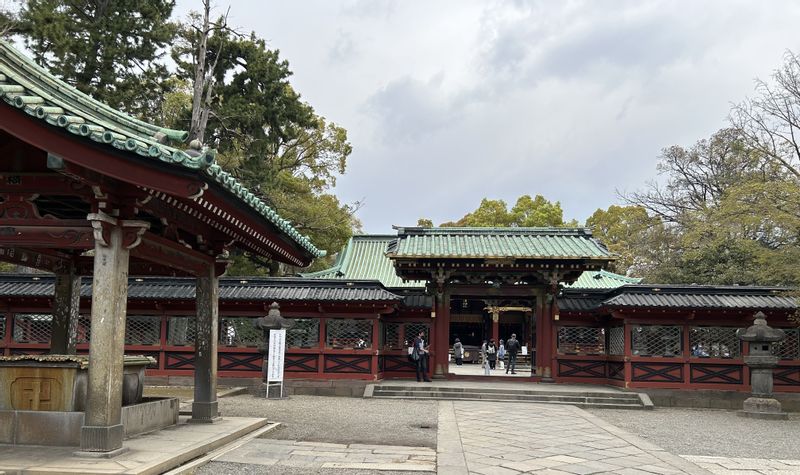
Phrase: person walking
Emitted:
{"points": [[512, 348], [458, 352], [491, 354], [420, 356], [501, 355], [484, 357]]}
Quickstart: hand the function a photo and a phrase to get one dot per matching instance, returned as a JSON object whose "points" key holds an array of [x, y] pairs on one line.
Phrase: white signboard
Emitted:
{"points": [[524, 349], [277, 347]]}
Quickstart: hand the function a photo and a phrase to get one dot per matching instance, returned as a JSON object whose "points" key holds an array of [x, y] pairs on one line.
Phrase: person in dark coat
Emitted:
{"points": [[512, 348]]}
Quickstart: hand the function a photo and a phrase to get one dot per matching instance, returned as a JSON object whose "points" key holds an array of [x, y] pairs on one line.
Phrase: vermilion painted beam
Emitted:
{"points": [[42, 184], [45, 233], [102, 159], [167, 253]]}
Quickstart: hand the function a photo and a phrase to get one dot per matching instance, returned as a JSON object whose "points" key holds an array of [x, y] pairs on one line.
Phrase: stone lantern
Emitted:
{"points": [[761, 337]]}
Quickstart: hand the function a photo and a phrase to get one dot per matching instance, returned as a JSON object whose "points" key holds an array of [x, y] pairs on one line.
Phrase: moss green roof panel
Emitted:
{"points": [[364, 257], [32, 89], [601, 280], [483, 243]]}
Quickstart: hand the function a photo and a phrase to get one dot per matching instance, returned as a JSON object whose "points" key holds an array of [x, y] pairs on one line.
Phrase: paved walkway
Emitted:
{"points": [[148, 454], [512, 438], [745, 466], [474, 369], [314, 456]]}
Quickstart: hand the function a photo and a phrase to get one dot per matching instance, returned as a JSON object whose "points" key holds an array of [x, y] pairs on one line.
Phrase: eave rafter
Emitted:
{"points": [[54, 261]]}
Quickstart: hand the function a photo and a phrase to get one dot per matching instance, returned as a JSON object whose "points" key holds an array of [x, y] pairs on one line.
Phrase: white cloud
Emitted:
{"points": [[450, 101]]}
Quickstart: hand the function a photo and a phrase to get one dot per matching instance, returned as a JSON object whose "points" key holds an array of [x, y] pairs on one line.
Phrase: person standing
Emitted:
{"points": [[458, 352], [491, 354], [512, 348], [501, 354], [420, 355], [484, 358]]}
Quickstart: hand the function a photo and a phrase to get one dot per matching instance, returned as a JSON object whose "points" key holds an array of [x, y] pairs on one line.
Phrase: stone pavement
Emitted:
{"points": [[147, 454], [745, 466], [314, 456], [508, 438]]}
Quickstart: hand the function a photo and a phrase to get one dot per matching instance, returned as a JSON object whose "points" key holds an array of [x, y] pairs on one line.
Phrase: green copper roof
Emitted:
{"points": [[482, 243], [364, 257], [601, 280], [32, 89]]}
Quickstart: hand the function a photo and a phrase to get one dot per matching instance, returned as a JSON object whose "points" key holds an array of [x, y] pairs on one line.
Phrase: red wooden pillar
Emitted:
{"points": [[552, 346], [686, 352], [162, 355], [547, 338], [628, 353], [538, 364], [496, 327], [441, 335], [376, 329], [322, 346]]}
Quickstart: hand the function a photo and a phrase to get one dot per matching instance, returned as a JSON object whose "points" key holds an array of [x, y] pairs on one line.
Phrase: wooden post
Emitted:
{"points": [[496, 326], [204, 407], [441, 344], [66, 311], [102, 429]]}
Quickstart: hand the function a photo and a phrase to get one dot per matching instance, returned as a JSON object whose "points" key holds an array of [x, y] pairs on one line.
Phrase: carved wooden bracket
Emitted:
{"points": [[18, 206], [132, 230]]}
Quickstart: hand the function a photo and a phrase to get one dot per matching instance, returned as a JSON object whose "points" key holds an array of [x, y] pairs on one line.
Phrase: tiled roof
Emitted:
{"points": [[32, 89], [700, 296], [517, 243], [230, 288], [364, 257], [601, 280], [580, 301]]}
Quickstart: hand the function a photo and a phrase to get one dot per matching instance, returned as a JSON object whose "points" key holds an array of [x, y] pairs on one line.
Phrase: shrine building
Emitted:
{"points": [[132, 225]]}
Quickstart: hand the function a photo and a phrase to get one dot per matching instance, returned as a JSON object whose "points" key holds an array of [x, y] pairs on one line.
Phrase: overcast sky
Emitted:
{"points": [[447, 102]]}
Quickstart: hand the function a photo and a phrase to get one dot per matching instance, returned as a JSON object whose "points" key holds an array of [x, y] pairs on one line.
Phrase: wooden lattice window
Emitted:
{"points": [[143, 330], [789, 348], [239, 332], [390, 337], [714, 342], [83, 334], [32, 327], [616, 341], [181, 330], [656, 340], [303, 334], [349, 333], [413, 329], [581, 341]]}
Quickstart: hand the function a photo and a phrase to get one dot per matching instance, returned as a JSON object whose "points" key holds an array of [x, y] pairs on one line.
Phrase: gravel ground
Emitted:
{"points": [[342, 420], [710, 432], [229, 468]]}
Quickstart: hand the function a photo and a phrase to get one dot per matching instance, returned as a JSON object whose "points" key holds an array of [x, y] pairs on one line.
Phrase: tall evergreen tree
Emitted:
{"points": [[109, 49]]}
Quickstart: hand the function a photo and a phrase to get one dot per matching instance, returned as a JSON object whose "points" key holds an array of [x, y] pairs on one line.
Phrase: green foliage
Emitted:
{"points": [[111, 50], [424, 223], [271, 140], [627, 232], [732, 216], [527, 212]]}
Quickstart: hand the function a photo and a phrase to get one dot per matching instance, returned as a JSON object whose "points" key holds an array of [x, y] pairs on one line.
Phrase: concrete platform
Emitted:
{"points": [[147, 454]]}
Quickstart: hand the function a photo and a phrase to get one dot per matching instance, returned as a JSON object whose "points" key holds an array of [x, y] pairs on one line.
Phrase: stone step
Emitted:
{"points": [[451, 389], [586, 405], [569, 398]]}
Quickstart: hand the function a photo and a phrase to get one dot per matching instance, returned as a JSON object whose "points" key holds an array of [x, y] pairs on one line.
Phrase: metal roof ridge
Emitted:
{"points": [[545, 230], [128, 121]]}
